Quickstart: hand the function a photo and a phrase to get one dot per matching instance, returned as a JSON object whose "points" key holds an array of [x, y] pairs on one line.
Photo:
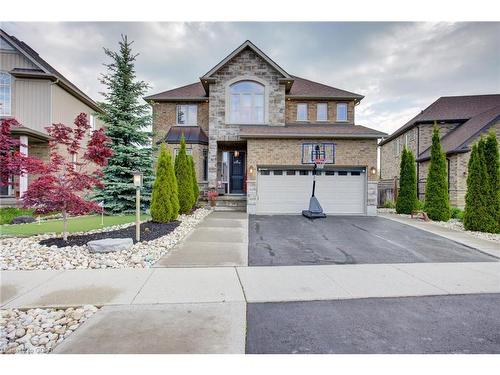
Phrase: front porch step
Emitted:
{"points": [[231, 203]]}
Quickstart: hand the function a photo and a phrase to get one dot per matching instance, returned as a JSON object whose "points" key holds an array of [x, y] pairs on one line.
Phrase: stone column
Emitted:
{"points": [[212, 163], [23, 178]]}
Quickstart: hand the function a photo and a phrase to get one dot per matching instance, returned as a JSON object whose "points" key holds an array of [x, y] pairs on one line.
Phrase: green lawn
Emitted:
{"points": [[77, 224]]}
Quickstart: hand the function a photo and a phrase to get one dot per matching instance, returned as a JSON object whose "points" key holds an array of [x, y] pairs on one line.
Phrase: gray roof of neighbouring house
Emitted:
{"points": [[453, 108], [459, 139]]}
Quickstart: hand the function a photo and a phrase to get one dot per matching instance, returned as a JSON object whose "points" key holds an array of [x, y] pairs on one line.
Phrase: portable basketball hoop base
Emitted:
{"points": [[315, 210]]}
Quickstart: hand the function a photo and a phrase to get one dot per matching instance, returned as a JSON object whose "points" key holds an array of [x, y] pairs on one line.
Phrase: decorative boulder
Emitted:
{"points": [[23, 220], [108, 245]]}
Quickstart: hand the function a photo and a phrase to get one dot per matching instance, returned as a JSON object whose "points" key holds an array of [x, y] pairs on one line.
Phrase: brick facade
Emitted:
{"points": [[291, 111]]}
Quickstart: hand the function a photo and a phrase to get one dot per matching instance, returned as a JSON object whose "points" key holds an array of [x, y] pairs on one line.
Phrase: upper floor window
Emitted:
{"points": [[322, 112], [5, 94], [187, 114], [341, 112], [302, 112], [246, 103]]}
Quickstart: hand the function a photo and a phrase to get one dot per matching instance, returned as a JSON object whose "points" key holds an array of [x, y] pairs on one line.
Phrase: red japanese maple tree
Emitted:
{"points": [[12, 161], [66, 182]]}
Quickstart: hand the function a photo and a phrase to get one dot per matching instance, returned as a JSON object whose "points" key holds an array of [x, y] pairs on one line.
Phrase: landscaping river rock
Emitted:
{"points": [[28, 254], [39, 330]]}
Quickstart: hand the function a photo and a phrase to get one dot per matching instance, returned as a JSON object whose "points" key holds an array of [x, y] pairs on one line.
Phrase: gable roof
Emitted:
{"points": [[254, 48], [305, 88], [450, 108], [459, 139], [45, 70]]}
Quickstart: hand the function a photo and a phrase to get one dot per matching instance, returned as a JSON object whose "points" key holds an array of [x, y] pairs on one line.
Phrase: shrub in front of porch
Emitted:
{"points": [[196, 189], [407, 197], [184, 180], [161, 204], [437, 204]]}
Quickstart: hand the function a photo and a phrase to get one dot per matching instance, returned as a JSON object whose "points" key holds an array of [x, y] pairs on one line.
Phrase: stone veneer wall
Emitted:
{"points": [[245, 64], [289, 152], [291, 111]]}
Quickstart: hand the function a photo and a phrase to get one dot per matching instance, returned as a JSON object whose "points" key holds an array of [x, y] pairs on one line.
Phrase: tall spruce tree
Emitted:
{"points": [[437, 204], [184, 179], [126, 118], [477, 215], [161, 204], [407, 197], [492, 161], [196, 189]]}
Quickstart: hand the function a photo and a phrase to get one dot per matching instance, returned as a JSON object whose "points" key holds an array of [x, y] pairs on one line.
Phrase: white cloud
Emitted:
{"points": [[400, 68]]}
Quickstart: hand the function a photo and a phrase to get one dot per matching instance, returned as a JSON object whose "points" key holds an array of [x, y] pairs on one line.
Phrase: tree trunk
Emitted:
{"points": [[65, 225]]}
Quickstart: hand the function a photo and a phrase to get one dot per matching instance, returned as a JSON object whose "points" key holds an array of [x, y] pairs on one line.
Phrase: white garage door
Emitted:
{"points": [[288, 191]]}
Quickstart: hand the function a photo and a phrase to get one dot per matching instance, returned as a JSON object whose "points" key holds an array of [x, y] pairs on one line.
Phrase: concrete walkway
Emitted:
{"points": [[25, 289], [220, 240], [464, 238]]}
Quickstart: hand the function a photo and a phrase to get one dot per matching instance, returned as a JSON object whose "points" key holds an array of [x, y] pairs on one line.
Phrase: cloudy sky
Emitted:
{"points": [[400, 68]]}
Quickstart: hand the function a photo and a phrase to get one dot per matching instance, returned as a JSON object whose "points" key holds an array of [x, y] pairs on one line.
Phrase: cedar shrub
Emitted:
{"points": [[196, 189], [184, 179], [161, 205], [407, 197], [437, 204]]}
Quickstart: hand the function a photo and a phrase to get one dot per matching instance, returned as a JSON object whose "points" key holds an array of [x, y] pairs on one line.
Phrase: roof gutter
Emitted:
{"points": [[311, 135]]}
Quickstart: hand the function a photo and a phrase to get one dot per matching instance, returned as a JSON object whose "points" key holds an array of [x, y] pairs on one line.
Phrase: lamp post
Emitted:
{"points": [[137, 184]]}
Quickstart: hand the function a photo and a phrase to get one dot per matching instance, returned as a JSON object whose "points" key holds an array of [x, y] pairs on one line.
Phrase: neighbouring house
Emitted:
{"points": [[36, 95], [461, 121], [254, 132]]}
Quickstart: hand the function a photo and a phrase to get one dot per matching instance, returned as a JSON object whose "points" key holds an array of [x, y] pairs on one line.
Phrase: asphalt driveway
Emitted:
{"points": [[438, 324], [280, 240]]}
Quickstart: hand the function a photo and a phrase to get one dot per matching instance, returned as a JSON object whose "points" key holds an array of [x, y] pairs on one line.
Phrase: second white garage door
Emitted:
{"points": [[340, 192]]}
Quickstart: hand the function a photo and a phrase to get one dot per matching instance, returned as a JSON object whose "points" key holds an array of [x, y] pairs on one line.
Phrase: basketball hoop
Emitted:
{"points": [[320, 163]]}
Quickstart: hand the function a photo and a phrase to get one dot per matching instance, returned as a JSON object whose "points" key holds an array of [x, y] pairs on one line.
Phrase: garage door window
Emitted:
{"points": [[355, 173], [278, 173], [342, 173], [303, 173], [264, 173], [290, 173], [329, 173]]}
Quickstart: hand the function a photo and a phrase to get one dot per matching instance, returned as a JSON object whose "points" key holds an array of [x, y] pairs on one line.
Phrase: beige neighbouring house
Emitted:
{"points": [[461, 121], [254, 131], [36, 95]]}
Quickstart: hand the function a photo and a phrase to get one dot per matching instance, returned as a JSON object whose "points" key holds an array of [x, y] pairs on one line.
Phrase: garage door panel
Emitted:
{"points": [[338, 194]]}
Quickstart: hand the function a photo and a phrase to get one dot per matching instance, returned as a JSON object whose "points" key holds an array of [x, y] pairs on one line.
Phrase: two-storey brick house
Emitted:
{"points": [[254, 131], [461, 121], [36, 95]]}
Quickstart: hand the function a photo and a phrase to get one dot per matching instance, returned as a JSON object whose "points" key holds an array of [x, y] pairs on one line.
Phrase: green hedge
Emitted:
{"points": [[9, 213]]}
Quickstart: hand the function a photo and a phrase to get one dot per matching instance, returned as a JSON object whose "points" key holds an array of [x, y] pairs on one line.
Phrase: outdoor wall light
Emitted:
{"points": [[373, 170], [236, 154], [250, 170]]}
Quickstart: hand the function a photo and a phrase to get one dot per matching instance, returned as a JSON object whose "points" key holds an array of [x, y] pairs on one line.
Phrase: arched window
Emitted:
{"points": [[5, 94], [246, 102]]}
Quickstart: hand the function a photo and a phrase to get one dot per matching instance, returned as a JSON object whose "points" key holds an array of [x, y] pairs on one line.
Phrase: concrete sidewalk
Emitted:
{"points": [[488, 247], [220, 240], [26, 289]]}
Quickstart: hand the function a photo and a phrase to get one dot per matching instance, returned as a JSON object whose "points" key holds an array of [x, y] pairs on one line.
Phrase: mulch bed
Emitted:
{"points": [[149, 231]]}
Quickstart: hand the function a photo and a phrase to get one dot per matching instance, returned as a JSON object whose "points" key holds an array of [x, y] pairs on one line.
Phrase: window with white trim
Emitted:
{"points": [[92, 124], [322, 112], [5, 94], [246, 103], [187, 114], [341, 111], [302, 112]]}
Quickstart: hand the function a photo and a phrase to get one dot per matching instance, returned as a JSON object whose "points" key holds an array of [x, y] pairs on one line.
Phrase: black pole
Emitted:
{"points": [[314, 179]]}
